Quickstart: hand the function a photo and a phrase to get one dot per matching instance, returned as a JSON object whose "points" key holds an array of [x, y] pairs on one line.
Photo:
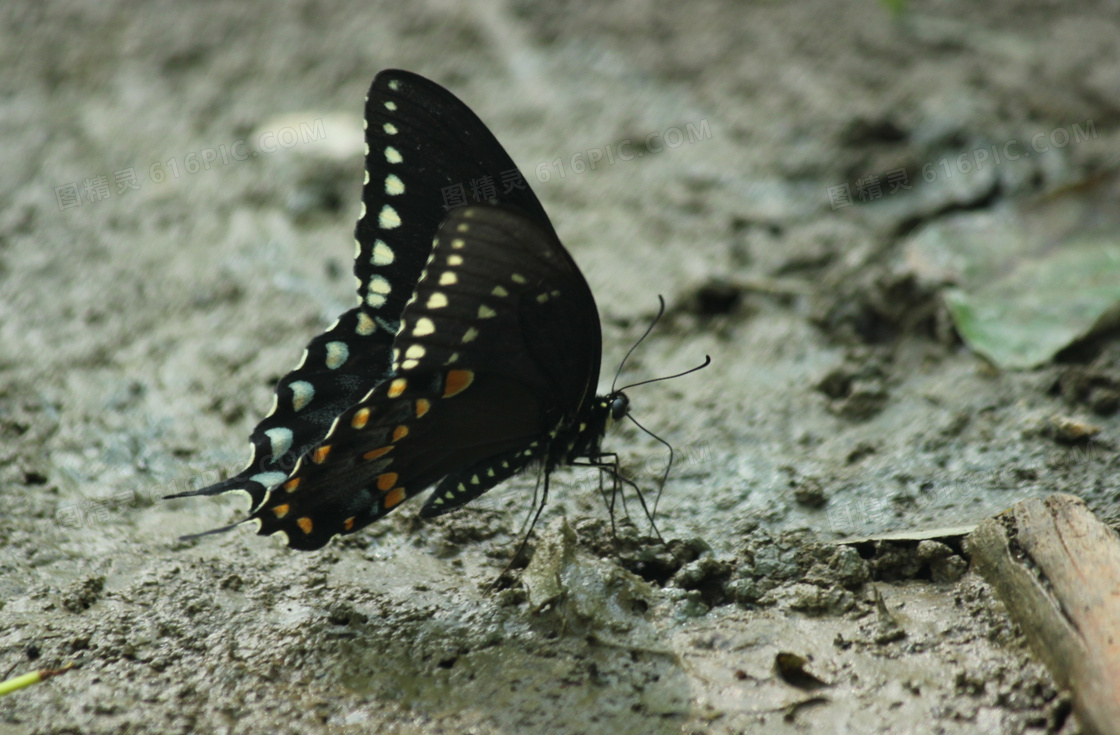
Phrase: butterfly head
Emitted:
{"points": [[618, 406]]}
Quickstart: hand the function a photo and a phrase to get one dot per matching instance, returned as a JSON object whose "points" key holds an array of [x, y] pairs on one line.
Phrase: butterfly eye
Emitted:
{"points": [[620, 406]]}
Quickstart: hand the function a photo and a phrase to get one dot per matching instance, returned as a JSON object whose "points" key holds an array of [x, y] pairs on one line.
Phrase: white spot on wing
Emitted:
{"points": [[269, 479], [281, 440], [424, 327], [415, 352], [447, 278], [337, 352], [470, 336], [500, 292], [485, 312], [437, 300], [375, 300], [366, 326], [392, 155], [393, 185], [454, 260], [391, 106], [302, 393], [389, 128]]}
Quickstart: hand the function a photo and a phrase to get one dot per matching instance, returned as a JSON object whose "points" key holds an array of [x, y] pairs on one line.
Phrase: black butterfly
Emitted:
{"points": [[474, 349]]}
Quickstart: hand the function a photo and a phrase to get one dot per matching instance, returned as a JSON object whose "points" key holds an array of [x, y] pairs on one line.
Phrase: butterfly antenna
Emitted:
{"points": [[706, 363], [652, 324]]}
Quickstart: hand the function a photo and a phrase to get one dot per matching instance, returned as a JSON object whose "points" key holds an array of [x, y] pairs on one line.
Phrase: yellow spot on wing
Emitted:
{"points": [[397, 387], [304, 524], [386, 481], [394, 498], [377, 453], [400, 433], [348, 524], [281, 510], [457, 381], [380, 284], [360, 419], [382, 253], [422, 407], [388, 219], [292, 484], [319, 456]]}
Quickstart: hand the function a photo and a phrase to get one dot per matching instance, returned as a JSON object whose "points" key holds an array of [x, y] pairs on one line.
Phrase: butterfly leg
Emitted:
{"points": [[608, 462]]}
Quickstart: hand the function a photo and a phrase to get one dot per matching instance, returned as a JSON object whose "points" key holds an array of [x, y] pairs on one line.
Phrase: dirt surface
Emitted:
{"points": [[145, 317]]}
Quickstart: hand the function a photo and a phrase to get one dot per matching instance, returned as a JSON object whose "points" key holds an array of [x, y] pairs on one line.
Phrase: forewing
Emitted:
{"points": [[422, 143]]}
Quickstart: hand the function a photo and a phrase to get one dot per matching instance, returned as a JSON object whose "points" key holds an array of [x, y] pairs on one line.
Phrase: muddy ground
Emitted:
{"points": [[144, 318]]}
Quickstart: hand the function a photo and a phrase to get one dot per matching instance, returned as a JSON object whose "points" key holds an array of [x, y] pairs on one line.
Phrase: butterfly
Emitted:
{"points": [[473, 352]]}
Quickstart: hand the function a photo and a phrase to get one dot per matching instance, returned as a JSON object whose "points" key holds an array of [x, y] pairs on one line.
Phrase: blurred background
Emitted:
{"points": [[892, 226]]}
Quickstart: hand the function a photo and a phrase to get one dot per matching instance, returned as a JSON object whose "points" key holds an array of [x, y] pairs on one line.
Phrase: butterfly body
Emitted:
{"points": [[474, 350]]}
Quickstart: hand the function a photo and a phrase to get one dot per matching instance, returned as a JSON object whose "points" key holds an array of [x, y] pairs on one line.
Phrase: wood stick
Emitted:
{"points": [[1057, 570]]}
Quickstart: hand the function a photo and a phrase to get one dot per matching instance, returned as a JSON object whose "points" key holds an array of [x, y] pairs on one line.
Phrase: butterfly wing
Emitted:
{"points": [[498, 348], [422, 144]]}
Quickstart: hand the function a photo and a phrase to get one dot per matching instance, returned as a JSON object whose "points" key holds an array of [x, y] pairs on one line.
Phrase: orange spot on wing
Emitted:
{"points": [[423, 405], [377, 453], [397, 387], [393, 498], [292, 484], [360, 419], [304, 524], [457, 381], [319, 456], [386, 481], [281, 510], [348, 524], [400, 433]]}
